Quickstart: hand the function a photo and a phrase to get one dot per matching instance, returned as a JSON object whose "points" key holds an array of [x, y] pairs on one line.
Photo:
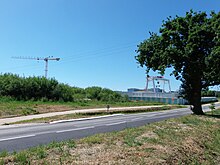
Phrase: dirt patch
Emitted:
{"points": [[99, 154], [209, 119], [156, 148], [115, 154], [190, 150], [176, 126], [149, 134], [184, 126], [51, 108]]}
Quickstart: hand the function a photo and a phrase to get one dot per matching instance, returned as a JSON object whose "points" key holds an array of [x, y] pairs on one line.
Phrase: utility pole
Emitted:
{"points": [[40, 58]]}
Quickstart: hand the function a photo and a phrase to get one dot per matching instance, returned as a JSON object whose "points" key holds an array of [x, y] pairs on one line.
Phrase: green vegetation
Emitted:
{"points": [[207, 93], [34, 88], [190, 46], [42, 89], [187, 140], [212, 107]]}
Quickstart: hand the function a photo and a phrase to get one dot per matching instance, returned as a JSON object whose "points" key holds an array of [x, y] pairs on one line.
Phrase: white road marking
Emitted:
{"points": [[18, 137], [115, 123], [48, 132], [150, 115], [168, 115], [136, 118], [75, 129]]}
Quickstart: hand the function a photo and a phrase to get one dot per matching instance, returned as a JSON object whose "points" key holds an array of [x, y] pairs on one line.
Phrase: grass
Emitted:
{"points": [[187, 140], [12, 108]]}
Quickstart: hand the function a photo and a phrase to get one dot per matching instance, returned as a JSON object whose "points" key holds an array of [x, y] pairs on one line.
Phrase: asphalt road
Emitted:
{"points": [[20, 137]]}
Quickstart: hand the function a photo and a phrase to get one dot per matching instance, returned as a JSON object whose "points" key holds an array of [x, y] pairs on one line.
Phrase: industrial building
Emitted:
{"points": [[158, 89]]}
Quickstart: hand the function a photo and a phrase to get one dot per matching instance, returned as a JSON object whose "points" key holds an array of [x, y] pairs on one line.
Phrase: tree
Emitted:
{"points": [[191, 46], [93, 92]]}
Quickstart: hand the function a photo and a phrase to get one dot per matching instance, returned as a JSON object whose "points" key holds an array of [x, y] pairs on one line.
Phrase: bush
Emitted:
{"points": [[43, 89], [34, 88], [104, 94]]}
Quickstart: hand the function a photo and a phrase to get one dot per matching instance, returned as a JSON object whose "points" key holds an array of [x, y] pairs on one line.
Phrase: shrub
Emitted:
{"points": [[34, 88], [43, 89]]}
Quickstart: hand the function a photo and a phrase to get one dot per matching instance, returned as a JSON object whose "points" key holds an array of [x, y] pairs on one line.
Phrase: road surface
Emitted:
{"points": [[20, 137]]}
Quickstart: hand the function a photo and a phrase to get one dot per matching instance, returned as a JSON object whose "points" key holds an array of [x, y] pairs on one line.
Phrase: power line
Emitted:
{"points": [[103, 50], [95, 55]]}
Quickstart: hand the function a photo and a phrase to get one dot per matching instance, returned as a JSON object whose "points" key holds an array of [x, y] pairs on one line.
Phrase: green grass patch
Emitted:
{"points": [[132, 141], [3, 154], [22, 158], [96, 139]]}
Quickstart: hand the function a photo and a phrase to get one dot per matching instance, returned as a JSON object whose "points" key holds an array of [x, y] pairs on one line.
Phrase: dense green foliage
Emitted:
{"points": [[40, 88], [34, 88], [210, 93], [98, 94], [191, 46], [103, 94]]}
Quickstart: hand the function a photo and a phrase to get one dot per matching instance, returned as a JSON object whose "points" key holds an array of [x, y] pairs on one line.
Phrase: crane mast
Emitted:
{"points": [[46, 59]]}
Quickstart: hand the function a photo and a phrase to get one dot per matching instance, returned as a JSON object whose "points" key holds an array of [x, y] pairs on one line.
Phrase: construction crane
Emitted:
{"points": [[46, 59]]}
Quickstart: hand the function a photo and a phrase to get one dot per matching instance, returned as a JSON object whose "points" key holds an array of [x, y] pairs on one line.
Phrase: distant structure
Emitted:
{"points": [[46, 59], [158, 89], [157, 82]]}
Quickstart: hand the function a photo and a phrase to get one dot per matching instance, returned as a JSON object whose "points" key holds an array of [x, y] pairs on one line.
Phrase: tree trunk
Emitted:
{"points": [[197, 106]]}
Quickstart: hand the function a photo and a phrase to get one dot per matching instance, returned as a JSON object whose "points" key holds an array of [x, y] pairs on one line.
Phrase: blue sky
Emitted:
{"points": [[95, 39]]}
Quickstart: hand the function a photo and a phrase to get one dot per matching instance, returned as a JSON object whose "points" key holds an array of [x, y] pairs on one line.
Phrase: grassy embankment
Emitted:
{"points": [[10, 108], [187, 140]]}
